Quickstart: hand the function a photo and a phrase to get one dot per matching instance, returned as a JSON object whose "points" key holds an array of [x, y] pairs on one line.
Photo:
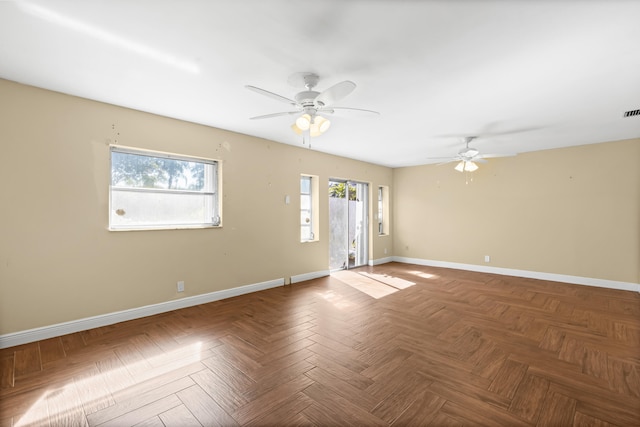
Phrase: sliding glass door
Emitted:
{"points": [[348, 224]]}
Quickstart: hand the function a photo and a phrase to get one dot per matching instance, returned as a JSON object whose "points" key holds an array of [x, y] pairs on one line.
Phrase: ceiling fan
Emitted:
{"points": [[469, 156], [309, 103]]}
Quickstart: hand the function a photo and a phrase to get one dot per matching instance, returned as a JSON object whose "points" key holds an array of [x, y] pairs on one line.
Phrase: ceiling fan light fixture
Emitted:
{"points": [[324, 126], [466, 166], [316, 125], [470, 166], [303, 122], [320, 125]]}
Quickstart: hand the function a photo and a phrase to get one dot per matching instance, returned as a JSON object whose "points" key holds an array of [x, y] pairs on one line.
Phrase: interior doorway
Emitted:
{"points": [[348, 224]]}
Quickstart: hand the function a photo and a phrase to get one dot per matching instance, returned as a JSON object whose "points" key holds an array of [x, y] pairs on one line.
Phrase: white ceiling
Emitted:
{"points": [[522, 75]]}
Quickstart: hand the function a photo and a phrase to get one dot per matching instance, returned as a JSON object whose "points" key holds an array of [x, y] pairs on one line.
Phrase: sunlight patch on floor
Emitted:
{"points": [[67, 403], [424, 275], [396, 282], [374, 285], [336, 299]]}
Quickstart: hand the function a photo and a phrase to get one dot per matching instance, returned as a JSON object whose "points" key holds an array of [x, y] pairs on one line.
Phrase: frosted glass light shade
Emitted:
{"points": [[319, 126], [303, 122], [466, 166], [470, 166], [323, 125]]}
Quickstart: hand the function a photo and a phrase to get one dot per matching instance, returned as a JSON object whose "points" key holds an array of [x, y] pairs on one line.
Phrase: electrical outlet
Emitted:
{"points": [[181, 286], [487, 258], [385, 251]]}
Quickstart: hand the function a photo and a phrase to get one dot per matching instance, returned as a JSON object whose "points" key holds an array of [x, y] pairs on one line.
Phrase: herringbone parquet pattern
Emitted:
{"points": [[395, 344]]}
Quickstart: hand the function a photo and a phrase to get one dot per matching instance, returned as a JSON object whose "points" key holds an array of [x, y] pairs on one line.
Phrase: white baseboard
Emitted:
{"points": [[379, 261], [309, 276], [576, 280], [37, 334]]}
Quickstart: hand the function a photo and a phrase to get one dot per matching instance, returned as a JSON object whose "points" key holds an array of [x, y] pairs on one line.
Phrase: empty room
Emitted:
{"points": [[322, 213]]}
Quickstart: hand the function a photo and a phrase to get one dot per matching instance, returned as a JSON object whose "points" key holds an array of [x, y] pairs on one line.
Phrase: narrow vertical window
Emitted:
{"points": [[380, 211], [306, 209], [383, 210]]}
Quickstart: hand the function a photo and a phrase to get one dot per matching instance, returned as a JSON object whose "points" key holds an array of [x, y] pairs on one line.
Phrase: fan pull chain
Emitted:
{"points": [[466, 178]]}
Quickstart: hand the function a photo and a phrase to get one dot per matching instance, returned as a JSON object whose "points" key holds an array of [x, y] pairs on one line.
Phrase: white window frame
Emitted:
{"points": [[380, 211], [306, 226], [310, 223], [212, 174], [383, 210]]}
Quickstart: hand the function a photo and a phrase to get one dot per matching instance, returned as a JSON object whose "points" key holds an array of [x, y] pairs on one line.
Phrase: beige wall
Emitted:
{"points": [[572, 211], [59, 263]]}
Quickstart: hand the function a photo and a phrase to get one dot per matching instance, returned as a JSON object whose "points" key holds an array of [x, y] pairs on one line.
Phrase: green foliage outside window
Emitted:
{"points": [[339, 189], [134, 170]]}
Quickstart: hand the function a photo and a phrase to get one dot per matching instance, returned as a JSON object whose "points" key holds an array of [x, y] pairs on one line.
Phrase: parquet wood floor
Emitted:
{"points": [[394, 344]]}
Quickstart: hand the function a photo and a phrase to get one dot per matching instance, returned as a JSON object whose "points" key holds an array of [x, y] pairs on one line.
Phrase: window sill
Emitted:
{"points": [[173, 227]]}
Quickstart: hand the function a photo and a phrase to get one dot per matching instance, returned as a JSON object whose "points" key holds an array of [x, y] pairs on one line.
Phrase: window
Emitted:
{"points": [[380, 211], [383, 210], [306, 209], [151, 190]]}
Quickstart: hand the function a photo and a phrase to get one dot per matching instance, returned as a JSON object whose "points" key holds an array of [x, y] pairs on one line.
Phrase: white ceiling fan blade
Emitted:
{"points": [[493, 156], [479, 160], [447, 162], [268, 116], [271, 95], [356, 109], [444, 160], [335, 93]]}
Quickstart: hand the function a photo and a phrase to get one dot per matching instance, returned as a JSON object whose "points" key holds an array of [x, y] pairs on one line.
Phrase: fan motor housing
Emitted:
{"points": [[307, 98], [468, 152]]}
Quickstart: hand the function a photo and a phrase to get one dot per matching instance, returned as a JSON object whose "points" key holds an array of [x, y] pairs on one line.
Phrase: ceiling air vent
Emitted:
{"points": [[631, 113]]}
